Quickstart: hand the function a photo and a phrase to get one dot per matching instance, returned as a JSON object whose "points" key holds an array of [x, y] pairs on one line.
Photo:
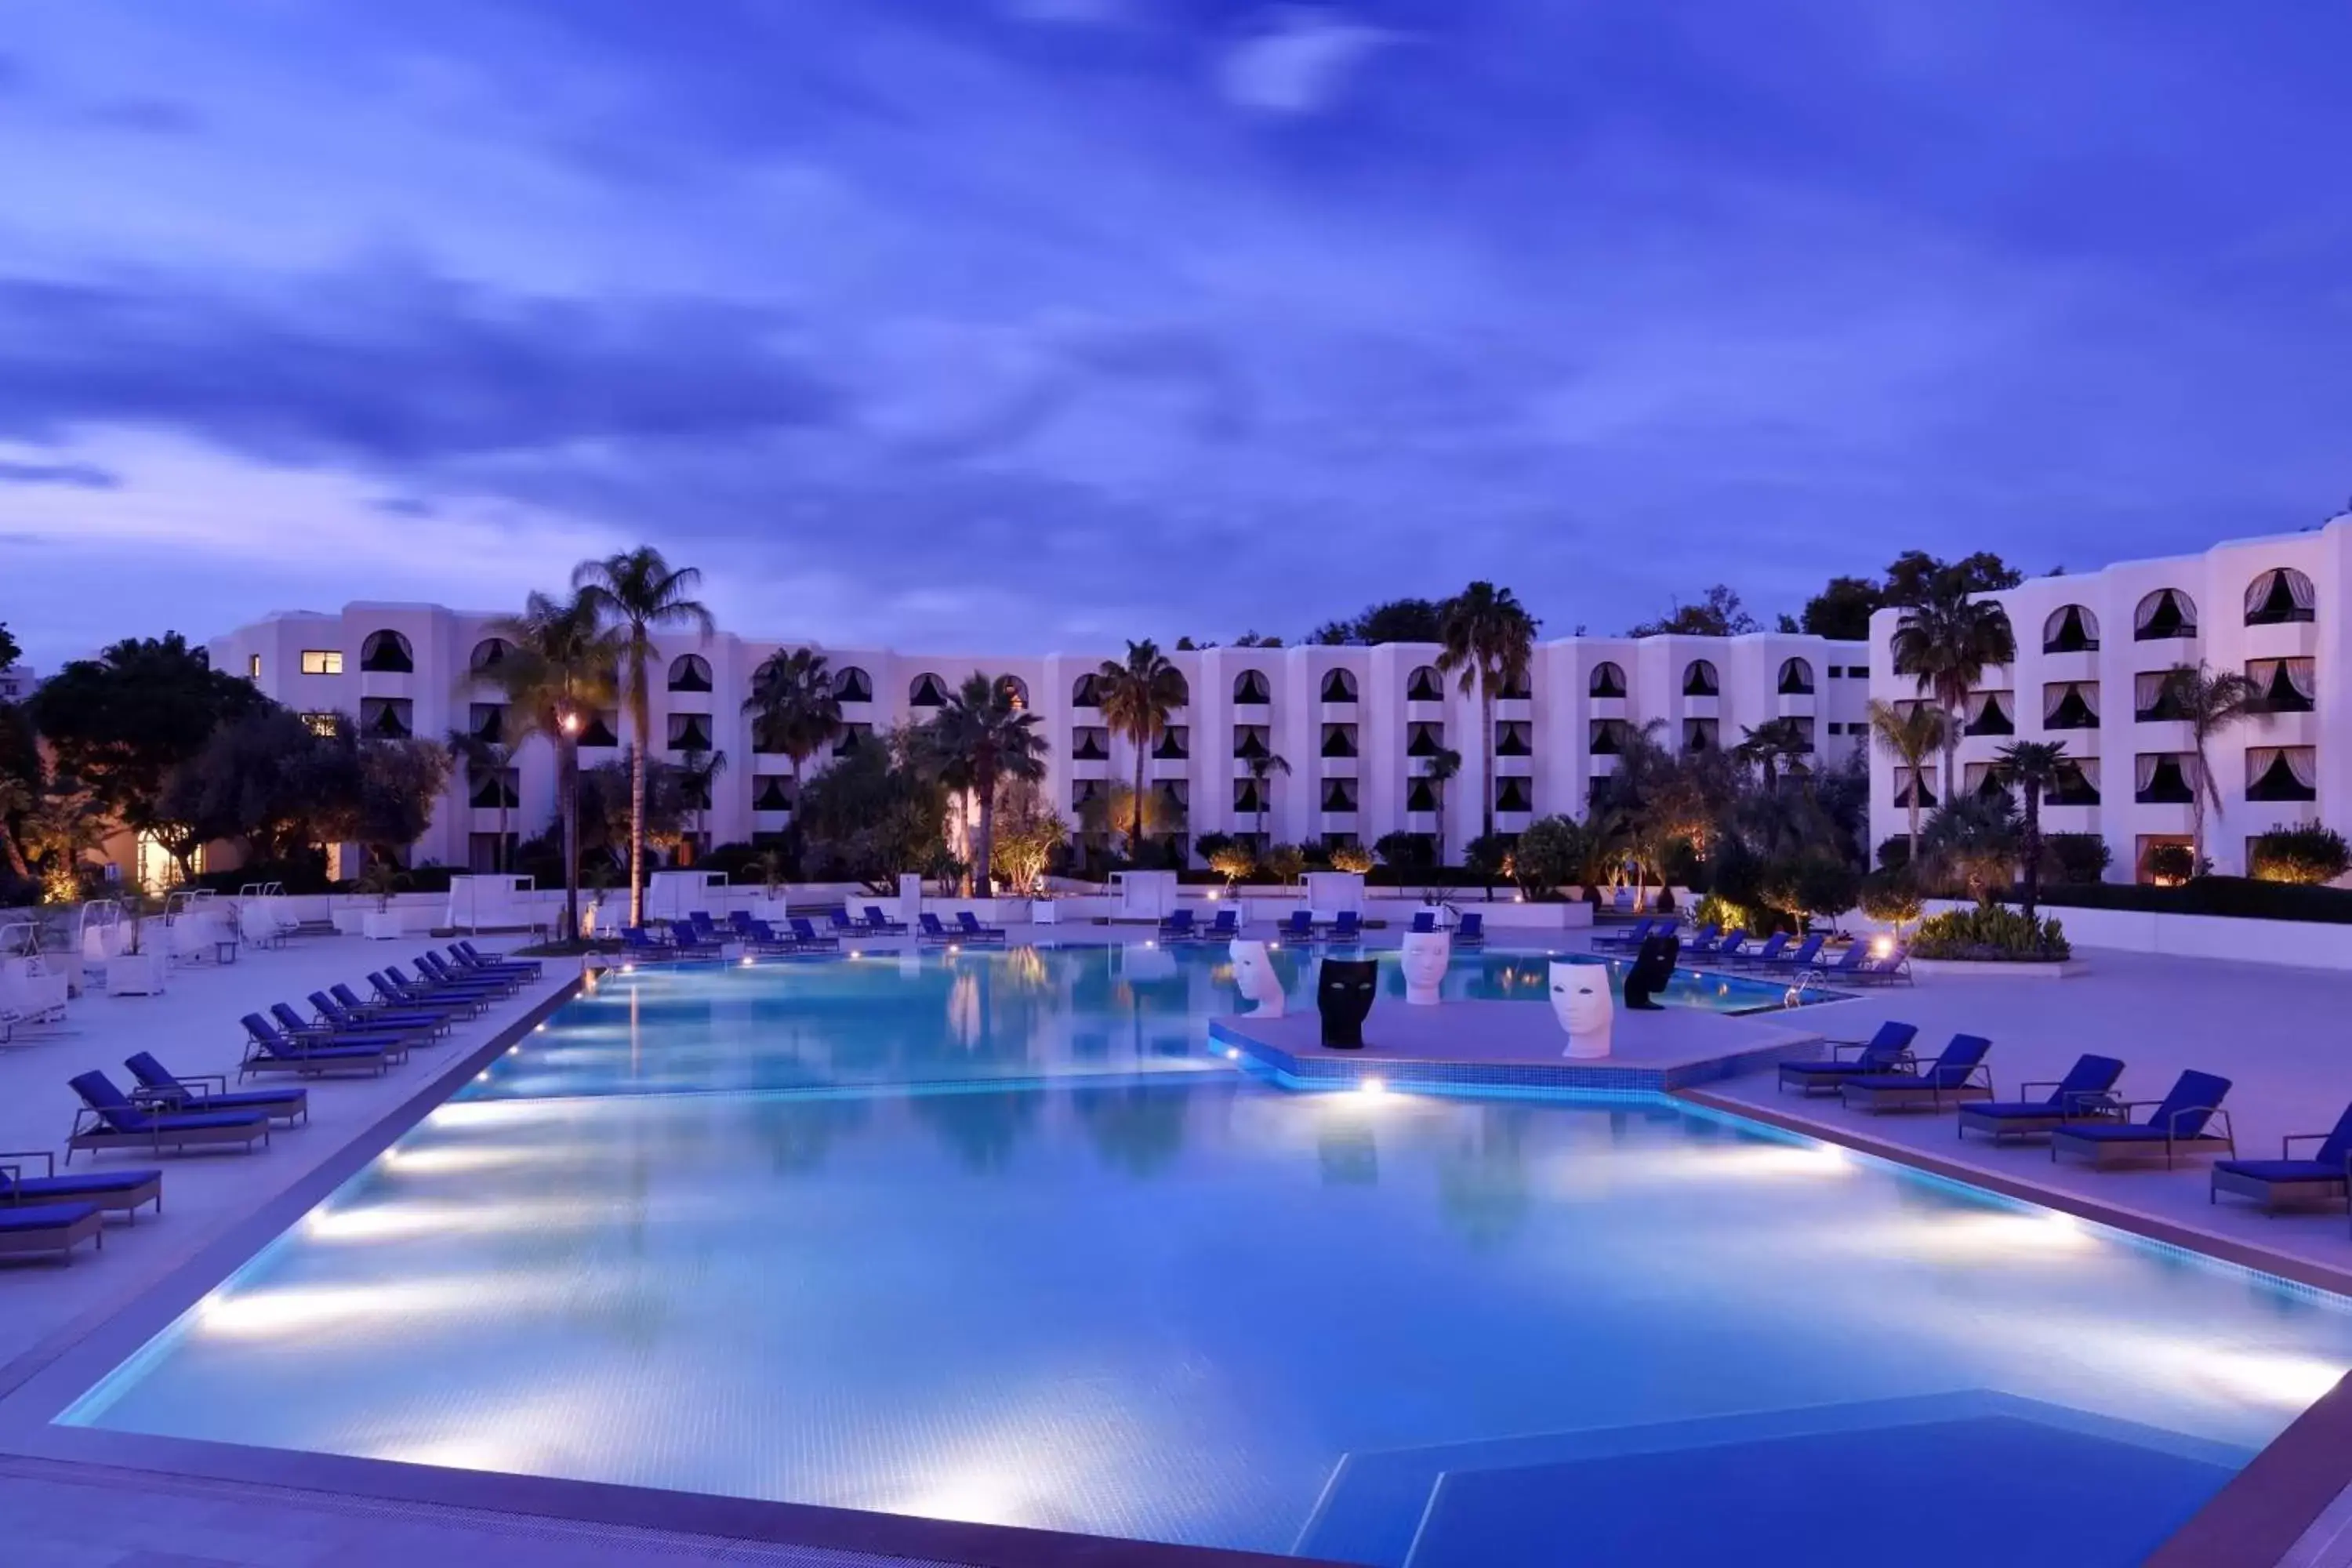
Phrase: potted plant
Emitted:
{"points": [[379, 881], [138, 967]]}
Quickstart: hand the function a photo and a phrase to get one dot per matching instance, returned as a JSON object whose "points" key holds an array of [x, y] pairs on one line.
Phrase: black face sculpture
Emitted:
{"points": [[1652, 969], [1343, 994]]}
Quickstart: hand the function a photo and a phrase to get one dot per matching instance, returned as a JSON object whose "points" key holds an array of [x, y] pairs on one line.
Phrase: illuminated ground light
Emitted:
{"points": [[1372, 1086], [1233, 1054]]}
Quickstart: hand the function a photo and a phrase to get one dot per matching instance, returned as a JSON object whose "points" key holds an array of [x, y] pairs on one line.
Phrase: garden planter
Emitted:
{"points": [[137, 973], [382, 925]]}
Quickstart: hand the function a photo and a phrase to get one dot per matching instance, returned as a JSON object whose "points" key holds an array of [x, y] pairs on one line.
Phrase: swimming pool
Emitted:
{"points": [[991, 1238]]}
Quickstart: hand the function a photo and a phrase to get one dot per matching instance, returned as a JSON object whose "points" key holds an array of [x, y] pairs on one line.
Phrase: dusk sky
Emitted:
{"points": [[1025, 324]]}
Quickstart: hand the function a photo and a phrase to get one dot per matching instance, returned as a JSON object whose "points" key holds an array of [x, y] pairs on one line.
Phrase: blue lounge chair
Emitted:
{"points": [[1348, 929], [1895, 966], [760, 938], [1300, 926], [2276, 1183], [1847, 962], [1762, 955], [2176, 1125], [493, 959], [266, 1050], [402, 996], [359, 1007], [428, 982], [1424, 921], [161, 1090], [1882, 1052], [110, 1192], [463, 955], [1178, 926], [806, 938], [1802, 956], [393, 1044], [2082, 1093], [110, 1119], [933, 935], [842, 924], [49, 1227], [1959, 1074], [1632, 936], [1702, 940], [441, 971], [1729, 951], [969, 929], [1471, 932], [1224, 926], [421, 1022], [879, 924]]}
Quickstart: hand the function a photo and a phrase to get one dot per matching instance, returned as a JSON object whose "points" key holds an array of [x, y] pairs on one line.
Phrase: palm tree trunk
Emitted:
{"points": [[1911, 862], [984, 780], [1441, 820], [568, 780], [641, 715], [1135, 832], [2033, 847], [1486, 746], [498, 860]]}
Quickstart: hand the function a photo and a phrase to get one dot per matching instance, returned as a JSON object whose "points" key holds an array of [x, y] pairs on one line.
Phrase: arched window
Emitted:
{"points": [[1515, 686], [1179, 687], [2167, 612], [1086, 691], [489, 654], [1250, 686], [387, 653], [1425, 684], [1608, 680], [1698, 679], [1795, 678], [853, 685], [2071, 629], [2278, 596], [927, 691], [1339, 686], [1015, 690], [689, 672]]}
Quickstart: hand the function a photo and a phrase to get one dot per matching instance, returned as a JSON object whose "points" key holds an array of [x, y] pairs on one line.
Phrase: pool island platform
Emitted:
{"points": [[1502, 1045]]}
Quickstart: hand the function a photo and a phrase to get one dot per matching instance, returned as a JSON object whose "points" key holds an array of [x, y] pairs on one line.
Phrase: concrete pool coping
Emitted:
{"points": [[2255, 1521]]}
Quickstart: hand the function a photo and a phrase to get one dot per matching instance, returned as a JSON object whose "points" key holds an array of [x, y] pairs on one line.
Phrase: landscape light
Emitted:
{"points": [[1881, 945]]}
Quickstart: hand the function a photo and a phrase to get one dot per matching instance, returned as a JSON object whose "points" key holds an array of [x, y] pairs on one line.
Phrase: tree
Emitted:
{"points": [[1028, 831], [1488, 637], [1769, 744], [1915, 577], [1439, 768], [1262, 770], [120, 724], [1137, 694], [2209, 701], [1552, 852], [564, 667], [1973, 840], [1842, 610], [1912, 735], [2033, 768], [986, 731], [1393, 620], [1718, 615], [875, 814], [1352, 858], [17, 798], [10, 652], [271, 781], [1233, 861], [698, 773], [1944, 642], [794, 706], [485, 759], [1120, 809], [399, 781], [638, 593]]}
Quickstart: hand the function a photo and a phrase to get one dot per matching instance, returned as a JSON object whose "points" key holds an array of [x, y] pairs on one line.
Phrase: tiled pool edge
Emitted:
{"points": [[2263, 1511], [1583, 1078]]}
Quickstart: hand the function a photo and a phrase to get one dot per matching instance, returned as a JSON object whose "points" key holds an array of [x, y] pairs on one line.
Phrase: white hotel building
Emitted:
{"points": [[1353, 723], [2091, 653]]}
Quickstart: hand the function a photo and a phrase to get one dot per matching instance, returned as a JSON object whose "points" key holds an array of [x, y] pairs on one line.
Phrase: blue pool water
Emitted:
{"points": [[993, 1237]]}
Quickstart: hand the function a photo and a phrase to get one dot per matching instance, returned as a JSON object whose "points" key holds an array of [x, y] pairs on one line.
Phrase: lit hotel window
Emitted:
{"points": [[321, 661]]}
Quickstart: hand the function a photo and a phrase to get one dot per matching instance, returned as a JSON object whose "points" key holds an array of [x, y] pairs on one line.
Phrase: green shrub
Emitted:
{"points": [[2305, 855], [1405, 851], [1716, 910], [2172, 863], [1233, 861], [2074, 857], [2240, 898], [1890, 896], [1894, 854], [1990, 933], [1351, 858], [1549, 854], [1287, 862]]}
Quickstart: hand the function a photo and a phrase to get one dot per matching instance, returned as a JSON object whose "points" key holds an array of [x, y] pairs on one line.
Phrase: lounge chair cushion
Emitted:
{"points": [[2121, 1133], [66, 1186], [2283, 1169], [2012, 1110], [43, 1216]]}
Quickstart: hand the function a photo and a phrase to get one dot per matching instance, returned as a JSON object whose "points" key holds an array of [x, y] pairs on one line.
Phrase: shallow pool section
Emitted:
{"points": [[1068, 1272]]}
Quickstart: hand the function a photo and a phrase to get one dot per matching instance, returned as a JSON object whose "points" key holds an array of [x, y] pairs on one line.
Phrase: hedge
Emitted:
{"points": [[2237, 898]]}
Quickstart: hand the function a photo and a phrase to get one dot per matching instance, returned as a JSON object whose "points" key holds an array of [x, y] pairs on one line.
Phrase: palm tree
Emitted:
{"points": [[1489, 638], [986, 734], [15, 799], [564, 667], [1439, 768], [484, 758], [1914, 735], [1262, 769], [1137, 695], [794, 706], [2034, 766], [2209, 701], [1943, 643], [1770, 743], [697, 771], [637, 593]]}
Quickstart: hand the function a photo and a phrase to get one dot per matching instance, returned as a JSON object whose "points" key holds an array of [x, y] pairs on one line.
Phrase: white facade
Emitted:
{"points": [[2272, 608], [16, 682], [1352, 722]]}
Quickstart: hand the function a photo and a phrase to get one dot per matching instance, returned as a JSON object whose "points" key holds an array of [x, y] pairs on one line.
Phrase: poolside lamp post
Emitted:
{"points": [[568, 721]]}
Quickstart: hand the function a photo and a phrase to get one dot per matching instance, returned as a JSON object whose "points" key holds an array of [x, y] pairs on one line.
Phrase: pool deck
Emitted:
{"points": [[2279, 1034], [1469, 1047]]}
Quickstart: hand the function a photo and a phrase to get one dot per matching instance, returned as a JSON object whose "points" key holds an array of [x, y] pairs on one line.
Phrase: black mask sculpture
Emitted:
{"points": [[1651, 970], [1343, 994]]}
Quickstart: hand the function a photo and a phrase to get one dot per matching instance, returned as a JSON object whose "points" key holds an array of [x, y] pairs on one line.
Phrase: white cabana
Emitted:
{"points": [[1144, 895], [674, 895], [492, 903]]}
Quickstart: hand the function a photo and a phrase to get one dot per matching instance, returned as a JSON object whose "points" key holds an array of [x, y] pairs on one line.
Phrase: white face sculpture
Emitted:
{"points": [[1254, 975], [1580, 999], [1423, 961]]}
